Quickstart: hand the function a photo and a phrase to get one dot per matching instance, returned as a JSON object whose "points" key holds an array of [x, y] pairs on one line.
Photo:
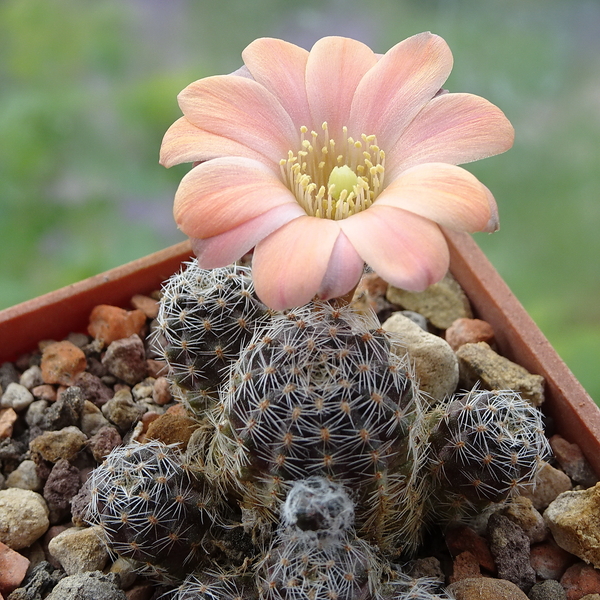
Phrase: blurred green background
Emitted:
{"points": [[87, 90]]}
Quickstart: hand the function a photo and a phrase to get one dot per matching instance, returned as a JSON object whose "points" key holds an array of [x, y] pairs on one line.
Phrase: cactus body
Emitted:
{"points": [[319, 392], [486, 446], [205, 317]]}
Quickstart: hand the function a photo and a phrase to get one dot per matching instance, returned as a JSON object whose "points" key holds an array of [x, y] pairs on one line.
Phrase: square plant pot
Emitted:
{"points": [[576, 416]]}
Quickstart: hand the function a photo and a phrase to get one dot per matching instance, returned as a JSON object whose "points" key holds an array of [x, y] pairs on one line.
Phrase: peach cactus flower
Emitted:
{"points": [[324, 160]]}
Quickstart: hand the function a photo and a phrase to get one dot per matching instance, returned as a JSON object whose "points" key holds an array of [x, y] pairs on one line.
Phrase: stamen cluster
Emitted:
{"points": [[308, 173]]}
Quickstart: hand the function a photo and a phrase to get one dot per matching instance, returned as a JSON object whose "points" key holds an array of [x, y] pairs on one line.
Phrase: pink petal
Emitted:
{"points": [[344, 270], [184, 142], [289, 265], [241, 110], [494, 223], [225, 248], [398, 86], [280, 66], [444, 193], [334, 69], [452, 128], [221, 194], [405, 249]]}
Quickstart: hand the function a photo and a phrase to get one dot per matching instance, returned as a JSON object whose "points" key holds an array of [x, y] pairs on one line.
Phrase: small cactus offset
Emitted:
{"points": [[155, 511], [320, 392], [205, 317], [316, 554], [486, 446]]}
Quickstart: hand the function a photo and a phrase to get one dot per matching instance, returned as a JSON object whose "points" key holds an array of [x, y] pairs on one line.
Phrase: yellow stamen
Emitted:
{"points": [[331, 185]]}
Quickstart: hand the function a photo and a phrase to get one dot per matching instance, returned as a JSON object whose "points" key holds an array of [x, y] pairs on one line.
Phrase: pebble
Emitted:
{"points": [[8, 418], [580, 579], [435, 363], [62, 484], [429, 566], [484, 588], [111, 323], [44, 392], [32, 377], [92, 419], [54, 445], [17, 397], [469, 331], [13, 567], [143, 389], [126, 359], [156, 368], [149, 306], [465, 566], [520, 510], [479, 363], [93, 388], [441, 303], [92, 585], [106, 439], [572, 461], [66, 411], [25, 477], [79, 549], [461, 538], [126, 570], [547, 590], [62, 362], [122, 410], [573, 519], [549, 560], [510, 548], [40, 580], [161, 393], [23, 517], [549, 483]]}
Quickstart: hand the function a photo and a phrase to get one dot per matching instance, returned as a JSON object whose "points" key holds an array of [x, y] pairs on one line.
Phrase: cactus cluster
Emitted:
{"points": [[316, 465]]}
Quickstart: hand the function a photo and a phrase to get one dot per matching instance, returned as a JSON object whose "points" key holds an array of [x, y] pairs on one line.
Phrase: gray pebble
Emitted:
{"points": [[17, 397], [547, 590], [122, 410], [93, 585], [25, 477], [32, 377], [126, 359]]}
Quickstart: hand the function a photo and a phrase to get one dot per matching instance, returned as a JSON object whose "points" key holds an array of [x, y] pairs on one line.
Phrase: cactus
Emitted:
{"points": [[154, 510], [486, 446], [205, 317], [316, 554], [319, 392]]}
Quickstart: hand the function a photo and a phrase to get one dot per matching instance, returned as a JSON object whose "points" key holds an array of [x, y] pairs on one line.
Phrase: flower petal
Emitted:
{"points": [[289, 265], [344, 270], [241, 110], [184, 142], [334, 69], [444, 193], [405, 249], [221, 194], [452, 128], [398, 86], [225, 248], [280, 67]]}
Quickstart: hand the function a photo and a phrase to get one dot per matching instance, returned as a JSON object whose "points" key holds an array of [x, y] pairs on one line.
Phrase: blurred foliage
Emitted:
{"points": [[88, 89]]}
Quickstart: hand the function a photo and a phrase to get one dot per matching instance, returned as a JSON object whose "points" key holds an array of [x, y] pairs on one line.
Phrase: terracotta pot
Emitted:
{"points": [[577, 418]]}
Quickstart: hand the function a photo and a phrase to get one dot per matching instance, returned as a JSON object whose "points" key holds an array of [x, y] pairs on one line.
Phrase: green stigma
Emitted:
{"points": [[342, 178]]}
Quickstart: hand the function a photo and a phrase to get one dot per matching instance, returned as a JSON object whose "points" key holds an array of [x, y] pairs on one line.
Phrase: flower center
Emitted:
{"points": [[334, 181]]}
